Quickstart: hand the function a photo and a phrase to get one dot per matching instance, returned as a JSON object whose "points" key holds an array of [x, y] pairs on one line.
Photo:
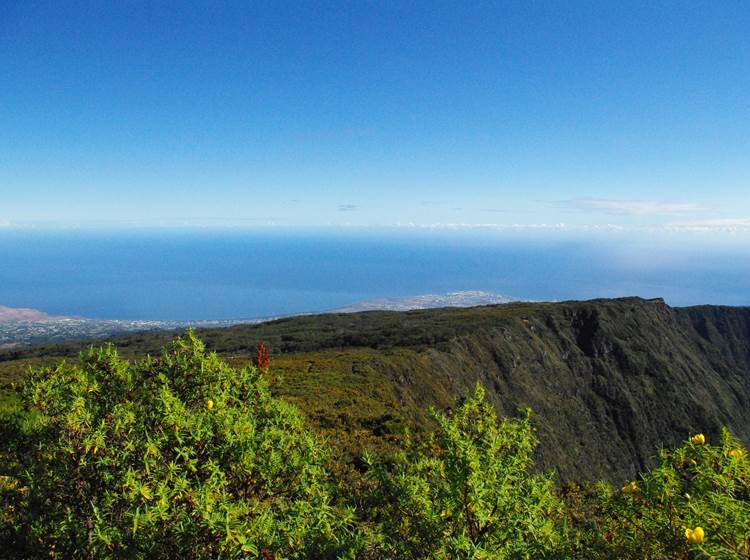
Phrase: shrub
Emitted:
{"points": [[694, 504], [175, 457], [468, 492], [183, 457]]}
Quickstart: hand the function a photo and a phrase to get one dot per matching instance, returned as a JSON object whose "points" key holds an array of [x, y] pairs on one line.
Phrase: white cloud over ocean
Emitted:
{"points": [[631, 207]]}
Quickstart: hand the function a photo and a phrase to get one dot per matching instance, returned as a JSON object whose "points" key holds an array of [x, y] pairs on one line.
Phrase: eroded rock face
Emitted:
{"points": [[612, 382]]}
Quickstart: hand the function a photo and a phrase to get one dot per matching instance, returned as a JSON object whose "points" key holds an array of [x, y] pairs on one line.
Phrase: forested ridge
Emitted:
{"points": [[610, 381]]}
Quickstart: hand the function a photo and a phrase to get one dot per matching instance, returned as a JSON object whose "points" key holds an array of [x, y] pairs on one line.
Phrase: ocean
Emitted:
{"points": [[172, 274]]}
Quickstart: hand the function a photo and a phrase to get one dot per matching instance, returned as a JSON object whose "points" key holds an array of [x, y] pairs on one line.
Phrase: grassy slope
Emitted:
{"points": [[610, 381]]}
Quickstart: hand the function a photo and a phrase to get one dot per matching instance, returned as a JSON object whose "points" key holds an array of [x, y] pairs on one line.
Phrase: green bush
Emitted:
{"points": [[174, 457], [183, 457], [468, 492], [694, 504]]}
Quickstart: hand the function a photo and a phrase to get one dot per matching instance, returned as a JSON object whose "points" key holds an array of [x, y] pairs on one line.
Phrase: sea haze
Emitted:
{"points": [[225, 274]]}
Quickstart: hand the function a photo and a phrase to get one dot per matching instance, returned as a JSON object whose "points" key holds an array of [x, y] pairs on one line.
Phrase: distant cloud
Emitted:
{"points": [[730, 226], [469, 226], [347, 207], [722, 224], [630, 207]]}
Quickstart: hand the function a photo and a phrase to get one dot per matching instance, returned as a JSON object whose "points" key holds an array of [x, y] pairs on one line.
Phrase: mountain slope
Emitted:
{"points": [[21, 314], [610, 381]]}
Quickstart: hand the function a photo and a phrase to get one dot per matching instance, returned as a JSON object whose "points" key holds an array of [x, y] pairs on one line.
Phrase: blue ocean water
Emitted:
{"points": [[214, 274]]}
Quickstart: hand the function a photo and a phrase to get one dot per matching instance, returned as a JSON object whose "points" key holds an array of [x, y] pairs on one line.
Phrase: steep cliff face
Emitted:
{"points": [[610, 381]]}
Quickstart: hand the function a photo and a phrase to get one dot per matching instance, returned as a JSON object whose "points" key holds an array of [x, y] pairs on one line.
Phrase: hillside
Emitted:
{"points": [[24, 327], [21, 314], [609, 381]]}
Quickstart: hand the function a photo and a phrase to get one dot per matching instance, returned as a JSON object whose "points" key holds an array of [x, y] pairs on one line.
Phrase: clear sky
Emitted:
{"points": [[587, 113]]}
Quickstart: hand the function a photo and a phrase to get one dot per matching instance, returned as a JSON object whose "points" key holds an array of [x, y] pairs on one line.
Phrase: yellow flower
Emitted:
{"points": [[698, 439], [694, 536], [736, 453], [209, 404], [630, 488]]}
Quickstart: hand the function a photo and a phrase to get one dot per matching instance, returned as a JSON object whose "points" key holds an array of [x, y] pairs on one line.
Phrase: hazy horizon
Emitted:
{"points": [[194, 274]]}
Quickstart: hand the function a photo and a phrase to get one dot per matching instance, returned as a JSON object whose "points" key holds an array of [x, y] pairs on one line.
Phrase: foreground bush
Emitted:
{"points": [[183, 457], [175, 457], [468, 493], [694, 504]]}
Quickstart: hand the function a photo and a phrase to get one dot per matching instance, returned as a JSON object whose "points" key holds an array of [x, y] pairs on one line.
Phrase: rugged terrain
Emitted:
{"points": [[609, 381]]}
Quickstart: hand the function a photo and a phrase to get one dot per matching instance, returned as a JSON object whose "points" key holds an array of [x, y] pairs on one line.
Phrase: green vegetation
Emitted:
{"points": [[185, 456], [696, 499], [610, 381], [467, 492], [175, 457]]}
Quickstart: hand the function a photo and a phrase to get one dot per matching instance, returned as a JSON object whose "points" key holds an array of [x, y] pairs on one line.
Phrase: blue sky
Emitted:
{"points": [[435, 114]]}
